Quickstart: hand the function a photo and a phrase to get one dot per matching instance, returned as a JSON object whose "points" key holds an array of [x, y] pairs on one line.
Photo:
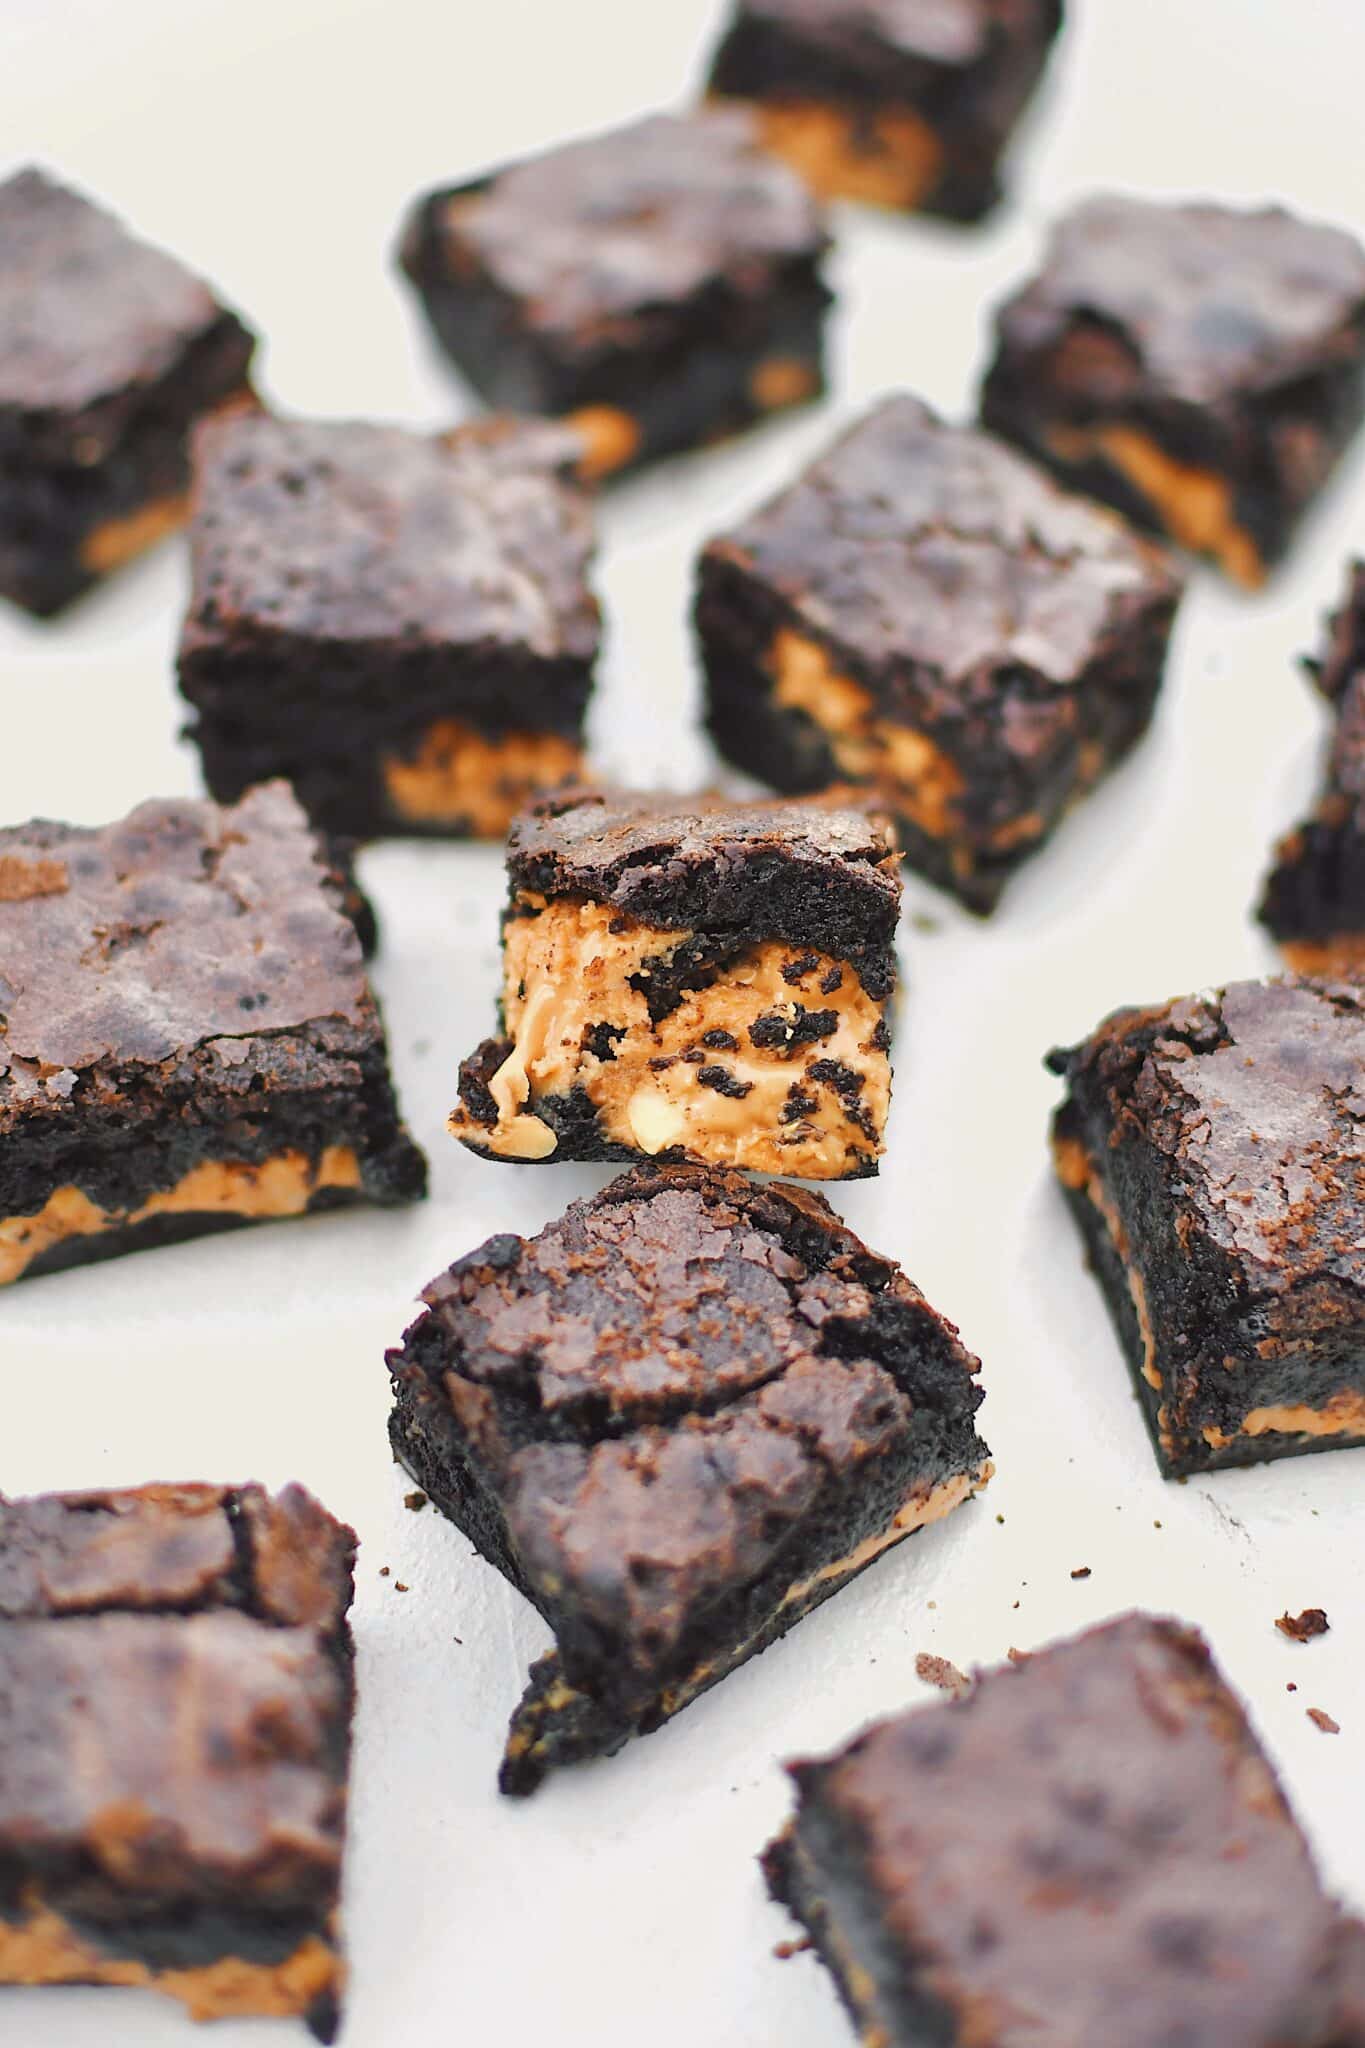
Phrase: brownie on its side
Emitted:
{"points": [[677, 1420], [687, 978], [176, 1678], [401, 624], [1091, 1846], [926, 614], [1213, 1153], [1314, 901], [901, 103], [190, 1040], [1199, 367], [659, 285], [109, 351]]}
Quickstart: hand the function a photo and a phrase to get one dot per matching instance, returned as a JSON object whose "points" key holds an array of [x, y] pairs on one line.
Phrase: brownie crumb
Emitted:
{"points": [[1321, 1719], [785, 1950], [399, 1587], [723, 1082], [414, 1502], [1301, 1628], [938, 1671], [383, 1571], [1018, 1656], [1082, 1571]]}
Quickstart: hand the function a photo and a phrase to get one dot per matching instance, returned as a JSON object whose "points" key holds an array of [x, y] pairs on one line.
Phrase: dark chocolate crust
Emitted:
{"points": [[966, 70], [182, 987], [207, 1620], [1090, 1846], [1212, 1153], [652, 271], [356, 585], [109, 351], [671, 1420], [1019, 631], [1232, 341]]}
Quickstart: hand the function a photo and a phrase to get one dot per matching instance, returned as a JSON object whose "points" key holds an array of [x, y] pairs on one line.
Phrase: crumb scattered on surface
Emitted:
{"points": [[785, 1950], [414, 1502], [399, 1587], [383, 1571], [938, 1671], [1018, 1656], [1301, 1628], [459, 1640], [1291, 1687], [1001, 1520], [1322, 1719], [1082, 1571], [1156, 1525]]}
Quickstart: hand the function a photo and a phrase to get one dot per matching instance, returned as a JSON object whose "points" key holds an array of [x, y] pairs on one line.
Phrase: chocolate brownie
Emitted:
{"points": [[1090, 1847], [1199, 367], [175, 1728], [189, 1038], [1314, 901], [1213, 1153], [109, 351], [926, 614], [659, 285], [401, 624], [691, 978], [677, 1420], [901, 103]]}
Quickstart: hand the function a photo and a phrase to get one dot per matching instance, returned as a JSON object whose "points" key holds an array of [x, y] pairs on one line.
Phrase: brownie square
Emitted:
{"points": [[189, 1037], [1213, 1154], [687, 978], [1199, 367], [1314, 901], [902, 103], [400, 624], [677, 1420], [109, 351], [1091, 1846], [660, 285], [925, 614], [175, 1730]]}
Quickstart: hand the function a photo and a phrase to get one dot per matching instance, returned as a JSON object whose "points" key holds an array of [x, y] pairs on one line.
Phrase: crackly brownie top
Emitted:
{"points": [[914, 541], [648, 216], [339, 530], [1196, 302], [951, 34], [184, 925], [1104, 1798]]}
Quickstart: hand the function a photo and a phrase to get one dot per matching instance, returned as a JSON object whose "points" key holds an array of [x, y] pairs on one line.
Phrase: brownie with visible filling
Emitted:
{"points": [[1314, 902], [1199, 367], [925, 614], [1091, 1846], [176, 1682], [908, 104], [688, 978], [1213, 1153], [400, 624], [189, 1039], [109, 352], [680, 1418], [659, 285]]}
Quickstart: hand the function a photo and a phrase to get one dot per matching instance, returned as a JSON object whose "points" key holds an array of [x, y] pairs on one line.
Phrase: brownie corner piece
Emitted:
{"points": [[109, 352], [1211, 1152], [191, 1041], [1199, 366], [200, 1623], [659, 286], [692, 978], [681, 1417], [400, 624], [1090, 1846], [905, 104], [923, 614]]}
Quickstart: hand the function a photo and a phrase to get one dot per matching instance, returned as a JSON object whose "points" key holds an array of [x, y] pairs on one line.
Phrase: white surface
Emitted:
{"points": [[275, 144]]}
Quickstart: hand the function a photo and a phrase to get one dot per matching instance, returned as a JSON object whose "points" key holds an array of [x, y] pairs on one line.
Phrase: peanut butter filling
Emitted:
{"points": [[1342, 1415], [461, 777], [888, 160], [1342, 957], [778, 1071], [1077, 1170], [781, 381], [611, 439], [1196, 506], [107, 547], [282, 1186]]}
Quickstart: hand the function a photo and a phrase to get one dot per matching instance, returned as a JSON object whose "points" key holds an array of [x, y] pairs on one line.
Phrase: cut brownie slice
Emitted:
{"points": [[1199, 367], [109, 351], [690, 978], [176, 1686], [189, 1040], [1213, 1153], [1315, 898], [660, 285], [926, 614], [677, 1420], [901, 103], [399, 623], [1090, 1847]]}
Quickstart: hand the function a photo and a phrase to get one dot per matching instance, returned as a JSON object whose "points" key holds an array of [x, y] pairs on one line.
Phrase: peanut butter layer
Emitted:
{"points": [[107, 547], [882, 159], [611, 439], [458, 776], [1194, 505], [1077, 1170], [1329, 959], [282, 1186], [1342, 1415]]}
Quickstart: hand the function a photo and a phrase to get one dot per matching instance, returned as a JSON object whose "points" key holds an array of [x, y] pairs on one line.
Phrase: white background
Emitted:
{"points": [[275, 144]]}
